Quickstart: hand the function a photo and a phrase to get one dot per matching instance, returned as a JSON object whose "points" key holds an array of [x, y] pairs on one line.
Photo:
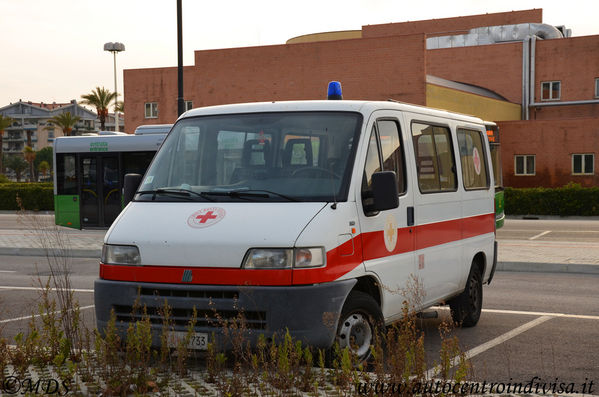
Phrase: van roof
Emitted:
{"points": [[147, 129], [326, 105]]}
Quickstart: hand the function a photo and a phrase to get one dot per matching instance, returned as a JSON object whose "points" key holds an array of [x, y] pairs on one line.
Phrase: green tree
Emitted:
{"points": [[44, 154], [100, 98], [43, 168], [16, 163], [5, 122], [66, 121]]}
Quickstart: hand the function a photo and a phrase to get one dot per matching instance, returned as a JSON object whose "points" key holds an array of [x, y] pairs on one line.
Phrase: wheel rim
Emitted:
{"points": [[355, 333], [474, 292]]}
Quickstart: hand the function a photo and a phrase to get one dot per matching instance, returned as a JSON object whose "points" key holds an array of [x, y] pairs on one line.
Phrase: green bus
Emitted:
{"points": [[90, 170], [493, 136]]}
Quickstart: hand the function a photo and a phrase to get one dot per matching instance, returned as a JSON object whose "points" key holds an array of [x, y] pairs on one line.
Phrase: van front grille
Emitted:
{"points": [[207, 318]]}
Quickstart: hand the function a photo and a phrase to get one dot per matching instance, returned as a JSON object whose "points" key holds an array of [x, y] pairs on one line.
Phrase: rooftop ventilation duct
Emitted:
{"points": [[495, 34]]}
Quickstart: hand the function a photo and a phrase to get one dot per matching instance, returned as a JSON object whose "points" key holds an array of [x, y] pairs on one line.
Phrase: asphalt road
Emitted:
{"points": [[563, 230]]}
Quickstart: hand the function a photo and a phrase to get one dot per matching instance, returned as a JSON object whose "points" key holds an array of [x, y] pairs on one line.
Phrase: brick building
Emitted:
{"points": [[537, 82]]}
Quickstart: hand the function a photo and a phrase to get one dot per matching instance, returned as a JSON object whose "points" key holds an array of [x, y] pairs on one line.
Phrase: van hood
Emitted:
{"points": [[208, 234]]}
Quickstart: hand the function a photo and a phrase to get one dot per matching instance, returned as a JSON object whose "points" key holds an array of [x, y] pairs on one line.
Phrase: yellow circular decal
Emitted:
{"points": [[390, 233]]}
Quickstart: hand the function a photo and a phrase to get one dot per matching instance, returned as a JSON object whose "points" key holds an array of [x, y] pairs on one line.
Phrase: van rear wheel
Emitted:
{"points": [[360, 324], [466, 308]]}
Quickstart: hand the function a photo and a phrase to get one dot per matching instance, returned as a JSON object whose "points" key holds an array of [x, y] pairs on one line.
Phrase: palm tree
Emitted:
{"points": [[66, 121], [100, 98], [29, 155], [5, 122], [43, 168]]}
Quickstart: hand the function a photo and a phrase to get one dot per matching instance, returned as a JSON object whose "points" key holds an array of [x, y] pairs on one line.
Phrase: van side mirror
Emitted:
{"points": [[132, 182], [384, 191]]}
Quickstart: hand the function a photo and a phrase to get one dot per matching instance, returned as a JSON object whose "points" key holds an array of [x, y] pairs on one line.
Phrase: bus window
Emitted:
{"points": [[66, 174]]}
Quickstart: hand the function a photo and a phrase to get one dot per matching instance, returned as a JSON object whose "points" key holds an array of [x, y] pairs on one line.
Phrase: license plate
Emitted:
{"points": [[197, 341]]}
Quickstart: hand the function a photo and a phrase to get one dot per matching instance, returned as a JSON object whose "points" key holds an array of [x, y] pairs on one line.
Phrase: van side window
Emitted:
{"points": [[472, 156], [373, 164], [434, 158], [393, 159], [388, 143]]}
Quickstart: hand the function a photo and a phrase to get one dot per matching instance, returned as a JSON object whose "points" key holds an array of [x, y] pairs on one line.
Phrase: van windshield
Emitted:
{"points": [[282, 156]]}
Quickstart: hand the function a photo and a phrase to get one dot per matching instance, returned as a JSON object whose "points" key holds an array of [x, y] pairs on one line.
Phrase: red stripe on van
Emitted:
{"points": [[201, 275], [371, 245], [429, 235]]}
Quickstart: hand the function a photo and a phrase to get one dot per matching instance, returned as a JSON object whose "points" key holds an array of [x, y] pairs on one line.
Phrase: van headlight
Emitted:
{"points": [[309, 257], [283, 258], [120, 255]]}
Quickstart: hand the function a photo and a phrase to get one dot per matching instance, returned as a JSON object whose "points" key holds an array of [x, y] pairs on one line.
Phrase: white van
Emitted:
{"points": [[310, 216]]}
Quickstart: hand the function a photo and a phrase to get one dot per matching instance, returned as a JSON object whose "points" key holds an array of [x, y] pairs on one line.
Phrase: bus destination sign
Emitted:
{"points": [[98, 146]]}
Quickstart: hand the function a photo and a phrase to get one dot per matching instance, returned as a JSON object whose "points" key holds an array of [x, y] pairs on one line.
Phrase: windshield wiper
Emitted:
{"points": [[177, 192], [247, 193]]}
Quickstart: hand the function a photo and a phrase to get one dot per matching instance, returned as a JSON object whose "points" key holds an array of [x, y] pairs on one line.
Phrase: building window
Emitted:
{"points": [[524, 164], [188, 105], [551, 90], [151, 110], [583, 164], [597, 88]]}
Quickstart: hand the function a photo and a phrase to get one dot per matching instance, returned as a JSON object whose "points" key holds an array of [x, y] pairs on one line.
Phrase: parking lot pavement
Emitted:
{"points": [[37, 235], [541, 324], [564, 245]]}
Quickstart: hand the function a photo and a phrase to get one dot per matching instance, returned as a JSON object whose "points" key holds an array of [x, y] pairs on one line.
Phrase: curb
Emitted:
{"points": [[580, 268], [74, 253]]}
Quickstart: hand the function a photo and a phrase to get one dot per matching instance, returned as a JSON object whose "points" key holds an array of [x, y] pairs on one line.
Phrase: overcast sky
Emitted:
{"points": [[52, 50]]}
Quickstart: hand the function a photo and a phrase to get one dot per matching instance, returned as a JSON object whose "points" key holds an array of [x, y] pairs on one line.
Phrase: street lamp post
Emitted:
{"points": [[115, 48]]}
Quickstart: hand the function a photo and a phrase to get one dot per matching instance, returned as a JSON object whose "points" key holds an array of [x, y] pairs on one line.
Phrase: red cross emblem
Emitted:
{"points": [[206, 217]]}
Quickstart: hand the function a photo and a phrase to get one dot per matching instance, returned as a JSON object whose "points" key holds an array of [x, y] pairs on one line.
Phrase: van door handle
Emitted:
{"points": [[410, 216]]}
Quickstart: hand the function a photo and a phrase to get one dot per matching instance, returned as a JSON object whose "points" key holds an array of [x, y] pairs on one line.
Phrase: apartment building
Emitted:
{"points": [[31, 127]]}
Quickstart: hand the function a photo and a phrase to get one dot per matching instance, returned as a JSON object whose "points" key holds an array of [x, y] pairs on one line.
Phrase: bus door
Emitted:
{"points": [[100, 194]]}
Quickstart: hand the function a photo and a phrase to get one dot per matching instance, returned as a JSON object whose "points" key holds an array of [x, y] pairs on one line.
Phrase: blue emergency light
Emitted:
{"points": [[334, 91]]}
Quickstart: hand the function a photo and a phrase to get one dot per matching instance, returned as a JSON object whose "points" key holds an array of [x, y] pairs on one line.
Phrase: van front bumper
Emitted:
{"points": [[309, 312]]}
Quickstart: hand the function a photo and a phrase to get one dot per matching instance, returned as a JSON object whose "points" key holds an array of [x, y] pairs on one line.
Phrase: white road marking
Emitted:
{"points": [[8, 271], [492, 343], [7, 287], [550, 314], [564, 315], [540, 235], [38, 315]]}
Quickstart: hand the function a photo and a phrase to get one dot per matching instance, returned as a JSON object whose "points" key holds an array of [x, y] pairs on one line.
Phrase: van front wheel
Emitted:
{"points": [[466, 308], [361, 322]]}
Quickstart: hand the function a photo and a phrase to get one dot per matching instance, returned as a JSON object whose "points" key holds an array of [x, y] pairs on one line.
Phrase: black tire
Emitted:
{"points": [[361, 322], [466, 308]]}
